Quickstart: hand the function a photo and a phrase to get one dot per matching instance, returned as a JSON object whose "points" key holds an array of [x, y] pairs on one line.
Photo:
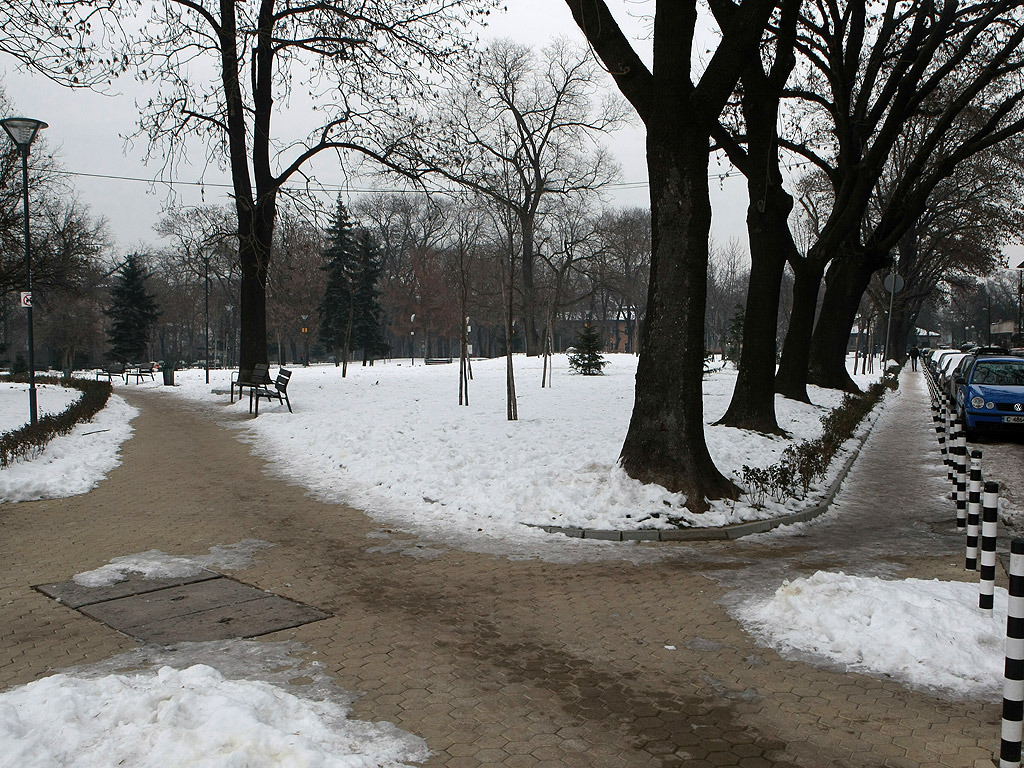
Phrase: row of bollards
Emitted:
{"points": [[977, 511]]}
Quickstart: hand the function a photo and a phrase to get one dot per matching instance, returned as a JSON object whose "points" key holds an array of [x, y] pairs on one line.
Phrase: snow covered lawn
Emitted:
{"points": [[68, 465], [392, 440], [14, 402]]}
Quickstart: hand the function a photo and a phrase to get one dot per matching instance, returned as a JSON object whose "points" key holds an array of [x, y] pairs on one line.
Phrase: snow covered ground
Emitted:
{"points": [[14, 412], [393, 440], [929, 634], [68, 465], [173, 709]]}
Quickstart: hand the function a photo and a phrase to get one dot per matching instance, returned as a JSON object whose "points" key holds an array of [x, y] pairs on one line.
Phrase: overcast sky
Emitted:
{"points": [[87, 130]]}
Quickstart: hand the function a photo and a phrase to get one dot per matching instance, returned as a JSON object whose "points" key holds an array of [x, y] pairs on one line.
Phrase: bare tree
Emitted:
{"points": [[523, 130], [359, 60], [946, 72], [665, 442]]}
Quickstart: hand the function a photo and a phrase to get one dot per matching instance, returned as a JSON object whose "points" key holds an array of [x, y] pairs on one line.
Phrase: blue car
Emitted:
{"points": [[990, 395]]}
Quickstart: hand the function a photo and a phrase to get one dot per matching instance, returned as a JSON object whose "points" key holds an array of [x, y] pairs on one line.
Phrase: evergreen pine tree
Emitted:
{"points": [[367, 328], [133, 313], [587, 358], [342, 267]]}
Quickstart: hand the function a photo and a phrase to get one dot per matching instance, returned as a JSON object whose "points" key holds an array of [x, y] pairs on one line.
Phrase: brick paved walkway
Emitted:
{"points": [[522, 663]]}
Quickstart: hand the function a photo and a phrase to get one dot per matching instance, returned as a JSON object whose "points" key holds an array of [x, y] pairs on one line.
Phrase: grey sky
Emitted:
{"points": [[87, 131]]}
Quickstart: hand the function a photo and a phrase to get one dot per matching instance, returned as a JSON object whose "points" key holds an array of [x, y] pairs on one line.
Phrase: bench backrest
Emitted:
{"points": [[260, 374], [283, 377], [115, 368]]}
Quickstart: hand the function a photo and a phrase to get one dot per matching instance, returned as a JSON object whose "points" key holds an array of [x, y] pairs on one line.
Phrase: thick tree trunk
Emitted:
{"points": [[255, 235], [791, 378], [845, 283], [665, 441], [753, 399], [531, 337]]}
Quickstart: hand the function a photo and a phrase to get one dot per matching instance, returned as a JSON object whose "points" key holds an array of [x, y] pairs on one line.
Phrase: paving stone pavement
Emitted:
{"points": [[523, 663]]}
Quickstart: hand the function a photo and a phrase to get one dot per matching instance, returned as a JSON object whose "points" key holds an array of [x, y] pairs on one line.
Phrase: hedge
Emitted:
{"points": [[30, 440], [805, 462]]}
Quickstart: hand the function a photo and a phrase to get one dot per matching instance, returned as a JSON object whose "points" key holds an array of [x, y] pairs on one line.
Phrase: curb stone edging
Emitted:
{"points": [[721, 533]]}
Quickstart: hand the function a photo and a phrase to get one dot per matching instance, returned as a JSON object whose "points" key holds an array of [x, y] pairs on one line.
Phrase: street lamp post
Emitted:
{"points": [[22, 131], [305, 341], [206, 296], [1020, 304]]}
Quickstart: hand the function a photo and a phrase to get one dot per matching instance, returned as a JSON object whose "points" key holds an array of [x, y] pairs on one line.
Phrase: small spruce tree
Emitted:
{"points": [[587, 358], [133, 313], [367, 325], [336, 307]]}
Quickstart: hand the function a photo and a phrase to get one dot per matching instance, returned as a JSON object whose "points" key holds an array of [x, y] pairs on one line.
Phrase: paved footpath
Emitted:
{"points": [[523, 663]]}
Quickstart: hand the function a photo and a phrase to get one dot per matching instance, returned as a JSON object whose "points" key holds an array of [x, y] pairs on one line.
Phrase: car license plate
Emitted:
{"points": [[1013, 419]]}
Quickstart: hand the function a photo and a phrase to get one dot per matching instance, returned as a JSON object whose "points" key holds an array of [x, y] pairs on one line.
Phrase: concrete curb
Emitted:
{"points": [[725, 532]]}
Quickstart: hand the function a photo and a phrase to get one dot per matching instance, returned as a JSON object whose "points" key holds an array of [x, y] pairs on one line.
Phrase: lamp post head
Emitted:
{"points": [[22, 130]]}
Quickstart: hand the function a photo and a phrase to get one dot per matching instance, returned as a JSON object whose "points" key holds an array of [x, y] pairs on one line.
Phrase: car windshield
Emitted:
{"points": [[1007, 373]]}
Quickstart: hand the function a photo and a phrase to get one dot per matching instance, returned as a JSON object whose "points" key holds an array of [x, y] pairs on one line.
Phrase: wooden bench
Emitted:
{"points": [[278, 392], [140, 372], [437, 360], [259, 376], [112, 370]]}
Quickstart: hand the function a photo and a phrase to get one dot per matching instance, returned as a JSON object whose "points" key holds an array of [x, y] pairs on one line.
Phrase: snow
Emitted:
{"points": [[155, 564], [71, 464], [930, 634], [50, 399], [193, 717], [392, 440]]}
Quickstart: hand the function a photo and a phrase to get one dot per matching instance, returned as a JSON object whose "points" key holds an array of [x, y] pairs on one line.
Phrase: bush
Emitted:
{"points": [[31, 439], [802, 464]]}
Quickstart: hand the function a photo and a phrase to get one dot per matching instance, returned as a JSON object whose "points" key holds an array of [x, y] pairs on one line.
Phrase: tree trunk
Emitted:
{"points": [[845, 283], [665, 441], [791, 378], [255, 237], [753, 399], [531, 336]]}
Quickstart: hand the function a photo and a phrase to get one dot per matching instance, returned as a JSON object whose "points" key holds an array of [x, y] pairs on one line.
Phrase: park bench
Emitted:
{"points": [[279, 392], [112, 370], [259, 376], [437, 360], [140, 372]]}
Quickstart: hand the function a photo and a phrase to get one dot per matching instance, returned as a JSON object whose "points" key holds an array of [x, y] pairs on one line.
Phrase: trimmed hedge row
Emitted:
{"points": [[804, 463], [29, 440]]}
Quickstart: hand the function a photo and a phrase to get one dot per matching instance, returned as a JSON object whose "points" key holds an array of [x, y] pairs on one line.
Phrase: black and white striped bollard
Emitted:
{"points": [[940, 431], [951, 433], [961, 478], [1013, 675], [989, 524], [973, 511]]}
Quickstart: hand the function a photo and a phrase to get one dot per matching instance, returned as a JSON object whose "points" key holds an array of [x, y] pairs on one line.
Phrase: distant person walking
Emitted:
{"points": [[914, 354]]}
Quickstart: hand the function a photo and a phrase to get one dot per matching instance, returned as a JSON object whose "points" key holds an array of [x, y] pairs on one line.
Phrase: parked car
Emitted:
{"points": [[945, 369], [991, 394], [937, 356]]}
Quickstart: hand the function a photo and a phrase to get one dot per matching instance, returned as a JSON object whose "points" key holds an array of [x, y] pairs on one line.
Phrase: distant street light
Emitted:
{"points": [[206, 293], [229, 337], [412, 341], [305, 340], [22, 131], [1020, 304]]}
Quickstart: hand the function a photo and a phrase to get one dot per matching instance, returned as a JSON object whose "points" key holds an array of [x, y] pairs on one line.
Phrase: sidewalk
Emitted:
{"points": [[523, 663]]}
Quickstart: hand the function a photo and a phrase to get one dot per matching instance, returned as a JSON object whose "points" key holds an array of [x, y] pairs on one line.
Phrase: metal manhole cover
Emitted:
{"points": [[196, 608]]}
